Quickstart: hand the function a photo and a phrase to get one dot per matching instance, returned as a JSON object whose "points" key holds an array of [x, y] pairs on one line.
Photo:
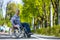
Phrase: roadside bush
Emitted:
{"points": [[32, 31], [56, 30], [53, 31]]}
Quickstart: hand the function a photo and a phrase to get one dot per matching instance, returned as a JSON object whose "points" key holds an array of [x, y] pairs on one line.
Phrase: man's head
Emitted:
{"points": [[17, 12]]}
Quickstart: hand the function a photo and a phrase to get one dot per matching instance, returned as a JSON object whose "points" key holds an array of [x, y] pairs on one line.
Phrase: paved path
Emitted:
{"points": [[33, 37]]}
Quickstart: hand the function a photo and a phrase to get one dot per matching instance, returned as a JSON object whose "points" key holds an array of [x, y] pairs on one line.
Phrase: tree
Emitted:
{"points": [[40, 10], [55, 4], [10, 11]]}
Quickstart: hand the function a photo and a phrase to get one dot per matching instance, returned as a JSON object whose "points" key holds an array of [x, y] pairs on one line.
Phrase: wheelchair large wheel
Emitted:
{"points": [[17, 32], [26, 34]]}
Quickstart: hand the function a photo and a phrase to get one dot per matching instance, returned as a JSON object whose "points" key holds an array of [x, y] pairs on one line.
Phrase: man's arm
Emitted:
{"points": [[12, 21]]}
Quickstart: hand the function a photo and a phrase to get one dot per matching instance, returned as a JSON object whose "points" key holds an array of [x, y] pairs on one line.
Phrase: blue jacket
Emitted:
{"points": [[15, 20]]}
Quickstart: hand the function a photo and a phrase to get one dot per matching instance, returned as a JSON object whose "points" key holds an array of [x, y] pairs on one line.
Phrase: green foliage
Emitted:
{"points": [[1, 19], [11, 10], [9, 24], [39, 9], [54, 31]]}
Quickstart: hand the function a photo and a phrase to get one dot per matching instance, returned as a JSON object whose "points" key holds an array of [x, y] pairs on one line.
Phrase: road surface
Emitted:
{"points": [[33, 37]]}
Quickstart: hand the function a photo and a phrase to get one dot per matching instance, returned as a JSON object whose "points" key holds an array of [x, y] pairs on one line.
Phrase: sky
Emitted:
{"points": [[5, 3]]}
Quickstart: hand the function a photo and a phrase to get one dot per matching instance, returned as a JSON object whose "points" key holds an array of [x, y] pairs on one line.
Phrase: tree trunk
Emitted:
{"points": [[55, 15], [45, 21]]}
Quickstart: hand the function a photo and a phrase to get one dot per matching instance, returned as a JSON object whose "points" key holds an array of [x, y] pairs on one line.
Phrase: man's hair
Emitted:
{"points": [[17, 10]]}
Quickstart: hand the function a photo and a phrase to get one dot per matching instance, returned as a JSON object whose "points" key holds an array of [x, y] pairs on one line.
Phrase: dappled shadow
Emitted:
{"points": [[9, 37], [17, 38]]}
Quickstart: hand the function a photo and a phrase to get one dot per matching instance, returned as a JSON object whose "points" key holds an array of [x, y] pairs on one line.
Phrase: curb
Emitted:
{"points": [[3, 33], [46, 37]]}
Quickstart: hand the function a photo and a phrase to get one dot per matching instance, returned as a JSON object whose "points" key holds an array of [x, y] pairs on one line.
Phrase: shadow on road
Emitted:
{"points": [[16, 38], [4, 36]]}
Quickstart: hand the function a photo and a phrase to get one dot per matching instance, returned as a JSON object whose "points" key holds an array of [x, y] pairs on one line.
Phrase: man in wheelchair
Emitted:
{"points": [[15, 20]]}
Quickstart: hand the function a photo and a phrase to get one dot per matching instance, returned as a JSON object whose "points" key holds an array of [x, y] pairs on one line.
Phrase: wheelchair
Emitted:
{"points": [[20, 31]]}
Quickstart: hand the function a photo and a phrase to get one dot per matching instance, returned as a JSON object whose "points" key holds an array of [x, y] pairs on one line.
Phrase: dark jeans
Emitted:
{"points": [[27, 27]]}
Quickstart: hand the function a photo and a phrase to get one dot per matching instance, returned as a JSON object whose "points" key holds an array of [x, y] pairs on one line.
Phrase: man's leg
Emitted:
{"points": [[26, 26]]}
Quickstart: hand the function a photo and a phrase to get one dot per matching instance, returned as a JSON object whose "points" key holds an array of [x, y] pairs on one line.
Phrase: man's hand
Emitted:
{"points": [[16, 25]]}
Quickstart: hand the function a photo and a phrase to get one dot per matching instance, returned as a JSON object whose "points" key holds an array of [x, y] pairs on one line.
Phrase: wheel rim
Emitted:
{"points": [[17, 33]]}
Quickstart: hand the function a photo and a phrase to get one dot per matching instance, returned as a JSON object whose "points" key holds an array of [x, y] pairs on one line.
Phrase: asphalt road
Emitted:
{"points": [[33, 37]]}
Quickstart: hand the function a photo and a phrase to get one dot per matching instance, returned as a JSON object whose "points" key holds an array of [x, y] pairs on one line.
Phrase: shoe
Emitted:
{"points": [[30, 33]]}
